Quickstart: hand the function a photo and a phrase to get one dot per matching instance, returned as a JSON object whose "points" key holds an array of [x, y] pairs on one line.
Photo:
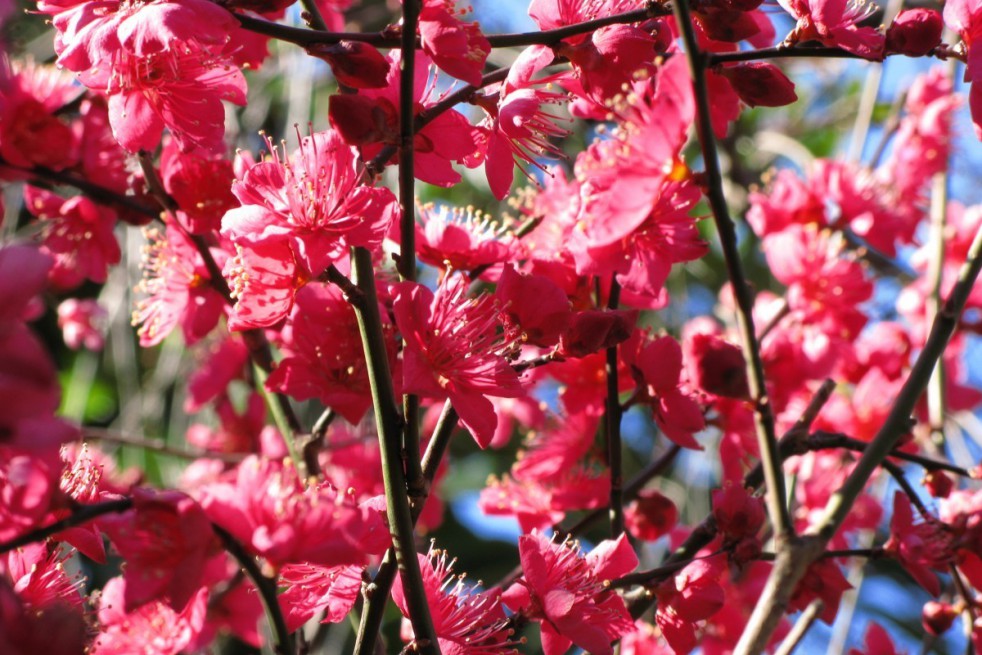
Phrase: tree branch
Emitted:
{"points": [[82, 514], [804, 551], [282, 641], [390, 427], [763, 413]]}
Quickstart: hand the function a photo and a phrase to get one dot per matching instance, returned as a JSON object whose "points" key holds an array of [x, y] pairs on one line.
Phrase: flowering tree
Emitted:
{"points": [[350, 348]]}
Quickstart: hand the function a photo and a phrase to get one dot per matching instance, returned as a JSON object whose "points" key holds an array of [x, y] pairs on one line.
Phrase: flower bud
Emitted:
{"points": [[760, 84], [651, 515], [355, 64], [717, 366], [737, 513], [595, 330], [938, 484], [915, 32], [937, 617]]}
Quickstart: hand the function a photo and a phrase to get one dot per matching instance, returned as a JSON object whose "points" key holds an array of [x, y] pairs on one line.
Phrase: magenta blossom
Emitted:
{"points": [[454, 349], [567, 594]]}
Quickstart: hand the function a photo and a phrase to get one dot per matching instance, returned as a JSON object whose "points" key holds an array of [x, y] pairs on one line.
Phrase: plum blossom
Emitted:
{"points": [[834, 23], [454, 349], [566, 592], [466, 621], [178, 289], [266, 507]]}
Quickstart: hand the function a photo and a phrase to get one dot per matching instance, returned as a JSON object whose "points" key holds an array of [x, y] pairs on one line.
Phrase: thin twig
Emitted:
{"points": [[612, 427], [406, 262], [801, 627], [82, 514], [282, 642], [787, 572], [390, 39], [158, 445], [376, 593], [823, 440], [42, 176]]}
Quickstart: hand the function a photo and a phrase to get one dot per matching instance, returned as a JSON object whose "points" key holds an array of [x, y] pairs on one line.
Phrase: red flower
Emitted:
{"points": [[454, 349], [659, 366], [650, 515], [834, 23], [166, 540], [466, 621], [456, 47], [314, 202], [567, 594], [178, 287], [919, 546], [312, 589], [153, 628], [267, 508]]}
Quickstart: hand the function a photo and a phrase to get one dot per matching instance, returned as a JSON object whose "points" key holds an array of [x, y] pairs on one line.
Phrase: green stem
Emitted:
{"points": [[390, 427], [377, 592]]}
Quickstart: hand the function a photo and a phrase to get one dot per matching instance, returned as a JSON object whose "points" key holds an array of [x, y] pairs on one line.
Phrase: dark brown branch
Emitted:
{"points": [[83, 514], [763, 413], [282, 642], [45, 177]]}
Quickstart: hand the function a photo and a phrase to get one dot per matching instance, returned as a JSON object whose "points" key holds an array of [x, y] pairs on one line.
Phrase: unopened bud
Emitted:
{"points": [[915, 32]]}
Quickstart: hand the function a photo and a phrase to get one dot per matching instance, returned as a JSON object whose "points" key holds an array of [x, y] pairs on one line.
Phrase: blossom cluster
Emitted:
{"points": [[545, 328]]}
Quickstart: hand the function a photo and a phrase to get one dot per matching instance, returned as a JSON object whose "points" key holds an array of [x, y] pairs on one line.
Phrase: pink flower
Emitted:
{"points": [[312, 589], [538, 503], [178, 289], [81, 323], [920, 546], [834, 23], [466, 621], [55, 629], [268, 509], [876, 642], [156, 61], [181, 90], [823, 580], [567, 594], [223, 363], [964, 17], [37, 573], [659, 365], [166, 540], [200, 184], [23, 275], [534, 306], [458, 48], [79, 235], [314, 201], [518, 127], [31, 134], [322, 353], [454, 349], [462, 239], [693, 595], [738, 514], [152, 629]]}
